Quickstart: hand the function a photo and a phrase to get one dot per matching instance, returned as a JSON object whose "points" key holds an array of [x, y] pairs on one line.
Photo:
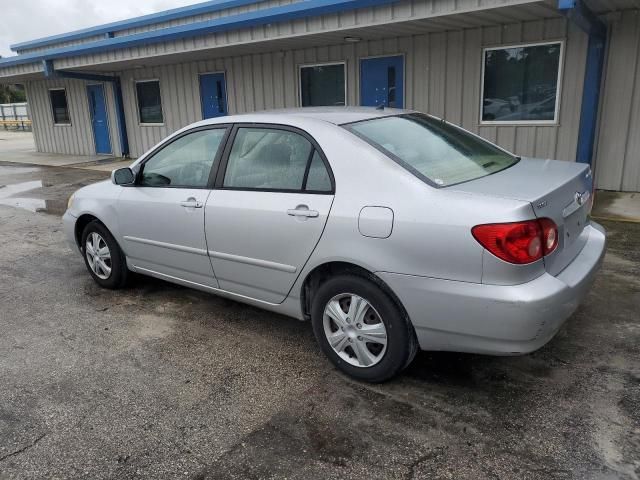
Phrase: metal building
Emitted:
{"points": [[547, 78]]}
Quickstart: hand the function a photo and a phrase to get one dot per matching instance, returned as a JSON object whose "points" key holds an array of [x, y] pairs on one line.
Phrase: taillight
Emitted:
{"points": [[518, 242], [549, 235]]}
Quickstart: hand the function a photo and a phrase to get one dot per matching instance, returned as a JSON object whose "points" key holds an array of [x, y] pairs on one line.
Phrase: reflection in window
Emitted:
{"points": [[322, 85], [185, 162], [318, 179], [59, 107], [267, 159], [521, 83], [149, 102], [437, 150]]}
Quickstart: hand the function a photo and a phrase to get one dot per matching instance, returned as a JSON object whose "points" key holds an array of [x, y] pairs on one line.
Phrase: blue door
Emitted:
{"points": [[213, 94], [382, 81], [99, 119]]}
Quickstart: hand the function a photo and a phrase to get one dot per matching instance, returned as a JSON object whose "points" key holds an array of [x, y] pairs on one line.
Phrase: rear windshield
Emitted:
{"points": [[433, 149]]}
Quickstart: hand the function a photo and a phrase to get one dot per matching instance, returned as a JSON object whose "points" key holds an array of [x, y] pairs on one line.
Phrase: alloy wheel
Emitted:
{"points": [[98, 255]]}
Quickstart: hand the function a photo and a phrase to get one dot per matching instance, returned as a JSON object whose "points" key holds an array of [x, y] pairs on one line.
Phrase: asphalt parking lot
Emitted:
{"points": [[159, 381]]}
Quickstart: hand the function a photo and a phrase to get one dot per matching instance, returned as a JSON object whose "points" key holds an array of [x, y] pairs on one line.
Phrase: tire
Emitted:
{"points": [[389, 359], [118, 274]]}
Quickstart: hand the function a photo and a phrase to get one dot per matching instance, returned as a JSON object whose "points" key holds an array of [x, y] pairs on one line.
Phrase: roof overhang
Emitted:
{"points": [[145, 20], [103, 56]]}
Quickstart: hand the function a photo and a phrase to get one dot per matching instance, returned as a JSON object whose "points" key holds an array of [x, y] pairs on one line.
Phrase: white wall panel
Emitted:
{"points": [[77, 138], [618, 150]]}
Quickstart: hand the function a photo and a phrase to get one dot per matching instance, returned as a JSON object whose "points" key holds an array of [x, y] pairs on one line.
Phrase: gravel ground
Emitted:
{"points": [[159, 381]]}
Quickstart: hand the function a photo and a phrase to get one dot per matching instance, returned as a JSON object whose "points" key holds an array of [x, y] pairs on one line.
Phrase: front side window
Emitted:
{"points": [[149, 102], [59, 107], [185, 162], [322, 85], [273, 159], [521, 84], [433, 149]]}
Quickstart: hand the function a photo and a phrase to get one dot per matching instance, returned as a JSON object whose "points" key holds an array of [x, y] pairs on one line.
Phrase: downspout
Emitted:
{"points": [[579, 14], [50, 72]]}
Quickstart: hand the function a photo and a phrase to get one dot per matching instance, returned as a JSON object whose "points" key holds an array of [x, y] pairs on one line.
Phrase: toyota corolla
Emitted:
{"points": [[390, 230]]}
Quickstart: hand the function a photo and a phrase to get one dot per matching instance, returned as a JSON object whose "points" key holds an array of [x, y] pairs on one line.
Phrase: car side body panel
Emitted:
{"points": [[458, 295]]}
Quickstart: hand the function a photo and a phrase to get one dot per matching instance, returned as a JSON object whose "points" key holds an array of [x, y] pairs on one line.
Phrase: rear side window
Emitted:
{"points": [[433, 149], [318, 179], [274, 159]]}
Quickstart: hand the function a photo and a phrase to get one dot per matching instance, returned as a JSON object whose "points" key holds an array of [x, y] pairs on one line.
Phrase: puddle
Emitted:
{"points": [[10, 196], [4, 170]]}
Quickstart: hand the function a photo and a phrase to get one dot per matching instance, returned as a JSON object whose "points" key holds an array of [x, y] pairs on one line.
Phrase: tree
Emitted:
{"points": [[12, 94]]}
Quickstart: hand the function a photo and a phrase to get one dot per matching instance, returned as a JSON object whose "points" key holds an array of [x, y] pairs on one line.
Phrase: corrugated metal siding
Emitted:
{"points": [[25, 69], [442, 77], [618, 149], [604, 6], [68, 43], [259, 5], [76, 139], [443, 73], [206, 16], [385, 16]]}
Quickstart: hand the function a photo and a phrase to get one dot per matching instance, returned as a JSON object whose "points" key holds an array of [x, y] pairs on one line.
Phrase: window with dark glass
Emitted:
{"points": [[521, 84], [59, 107], [149, 102], [322, 85]]}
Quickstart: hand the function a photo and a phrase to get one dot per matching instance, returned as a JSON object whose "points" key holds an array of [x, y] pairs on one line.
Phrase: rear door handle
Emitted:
{"points": [[303, 211], [191, 203]]}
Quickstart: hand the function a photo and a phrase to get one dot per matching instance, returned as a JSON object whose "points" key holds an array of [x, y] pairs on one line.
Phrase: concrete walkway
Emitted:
{"points": [[19, 147], [617, 206]]}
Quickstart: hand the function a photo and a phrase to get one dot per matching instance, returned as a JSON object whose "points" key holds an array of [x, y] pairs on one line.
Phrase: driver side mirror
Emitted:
{"points": [[123, 176]]}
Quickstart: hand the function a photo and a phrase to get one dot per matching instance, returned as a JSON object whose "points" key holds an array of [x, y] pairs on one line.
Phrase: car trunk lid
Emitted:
{"points": [[555, 189]]}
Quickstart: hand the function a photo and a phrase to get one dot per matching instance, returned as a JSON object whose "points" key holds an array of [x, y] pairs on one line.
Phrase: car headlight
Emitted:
{"points": [[70, 201]]}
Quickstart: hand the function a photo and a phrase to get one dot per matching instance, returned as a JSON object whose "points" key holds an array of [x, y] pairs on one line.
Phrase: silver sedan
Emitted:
{"points": [[389, 230]]}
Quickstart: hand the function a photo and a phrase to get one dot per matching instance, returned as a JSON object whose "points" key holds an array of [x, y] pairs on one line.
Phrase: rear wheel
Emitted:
{"points": [[102, 256], [361, 329]]}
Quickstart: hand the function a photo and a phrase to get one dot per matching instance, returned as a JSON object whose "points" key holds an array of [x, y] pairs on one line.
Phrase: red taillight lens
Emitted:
{"points": [[518, 242]]}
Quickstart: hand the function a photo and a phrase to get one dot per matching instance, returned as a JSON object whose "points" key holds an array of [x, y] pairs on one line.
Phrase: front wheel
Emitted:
{"points": [[361, 329], [102, 256]]}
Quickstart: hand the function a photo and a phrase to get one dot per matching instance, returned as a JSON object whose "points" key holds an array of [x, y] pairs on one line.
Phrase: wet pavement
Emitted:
{"points": [[159, 381]]}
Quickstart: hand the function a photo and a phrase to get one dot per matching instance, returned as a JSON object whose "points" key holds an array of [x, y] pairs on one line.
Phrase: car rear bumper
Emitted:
{"points": [[497, 319], [69, 226]]}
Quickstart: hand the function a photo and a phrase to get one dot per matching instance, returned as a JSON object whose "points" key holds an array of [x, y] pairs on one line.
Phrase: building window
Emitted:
{"points": [[521, 84], [149, 102], [59, 106], [322, 85]]}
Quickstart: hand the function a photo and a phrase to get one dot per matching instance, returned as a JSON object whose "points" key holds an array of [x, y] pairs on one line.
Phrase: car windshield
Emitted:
{"points": [[433, 149]]}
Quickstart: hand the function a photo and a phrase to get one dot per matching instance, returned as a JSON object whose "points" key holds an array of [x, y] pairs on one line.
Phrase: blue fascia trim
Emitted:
{"points": [[583, 17], [577, 12], [117, 92], [109, 28], [590, 99], [307, 8]]}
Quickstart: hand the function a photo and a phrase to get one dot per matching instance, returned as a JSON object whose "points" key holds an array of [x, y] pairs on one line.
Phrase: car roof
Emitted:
{"points": [[334, 115]]}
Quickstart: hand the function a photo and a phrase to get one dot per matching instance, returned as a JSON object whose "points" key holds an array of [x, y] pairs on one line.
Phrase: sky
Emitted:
{"points": [[22, 20]]}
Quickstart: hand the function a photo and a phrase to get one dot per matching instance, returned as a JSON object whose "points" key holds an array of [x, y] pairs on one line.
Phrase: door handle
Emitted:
{"points": [[191, 203], [303, 211]]}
